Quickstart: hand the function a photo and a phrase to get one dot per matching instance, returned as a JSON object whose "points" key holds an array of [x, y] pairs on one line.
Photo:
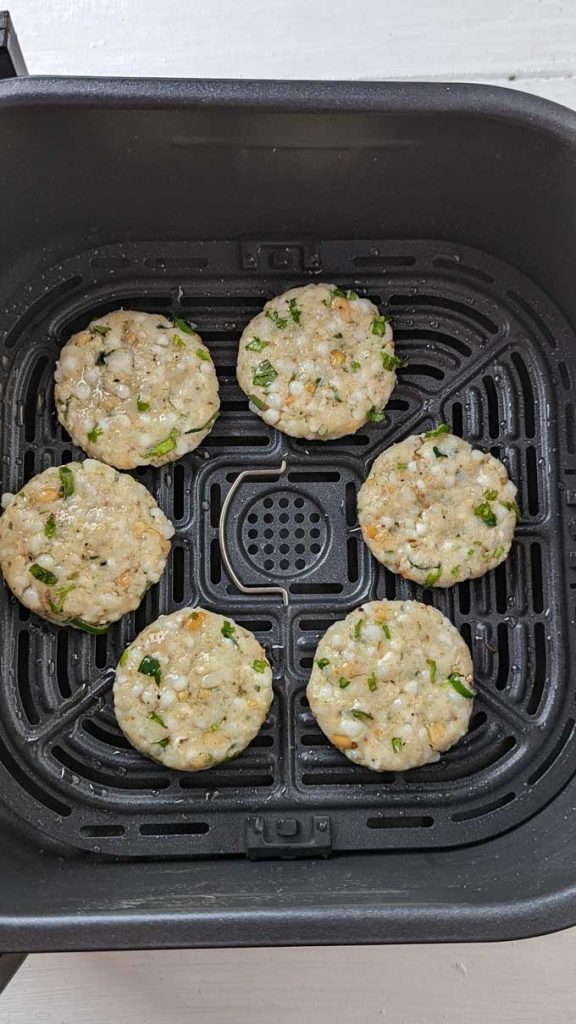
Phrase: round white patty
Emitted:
{"points": [[82, 543], [134, 389], [436, 510], [317, 362], [192, 690], [391, 685]]}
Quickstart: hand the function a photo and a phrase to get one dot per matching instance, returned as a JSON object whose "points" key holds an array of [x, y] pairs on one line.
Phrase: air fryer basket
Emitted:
{"points": [[215, 197]]}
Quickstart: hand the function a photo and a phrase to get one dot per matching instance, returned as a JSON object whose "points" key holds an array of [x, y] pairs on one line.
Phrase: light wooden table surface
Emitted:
{"points": [[525, 44]]}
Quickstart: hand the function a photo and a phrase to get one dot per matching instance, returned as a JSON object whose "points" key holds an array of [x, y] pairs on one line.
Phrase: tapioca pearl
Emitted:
{"points": [[387, 665], [274, 400], [82, 391], [371, 632], [477, 455], [296, 387], [91, 374], [181, 445], [308, 367], [149, 695], [121, 390], [175, 681], [120, 361], [31, 597], [271, 416], [350, 727], [411, 687], [167, 698], [137, 689], [70, 361], [162, 340], [359, 413], [46, 561], [322, 348], [421, 485], [7, 497]]}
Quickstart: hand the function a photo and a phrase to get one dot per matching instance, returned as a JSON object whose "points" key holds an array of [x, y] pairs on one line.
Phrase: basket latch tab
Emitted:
{"points": [[289, 836]]}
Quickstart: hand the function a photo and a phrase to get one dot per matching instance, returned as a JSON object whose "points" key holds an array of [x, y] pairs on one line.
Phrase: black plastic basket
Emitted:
{"points": [[453, 207]]}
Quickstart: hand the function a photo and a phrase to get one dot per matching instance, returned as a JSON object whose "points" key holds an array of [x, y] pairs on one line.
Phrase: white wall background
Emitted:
{"points": [[534, 41]]}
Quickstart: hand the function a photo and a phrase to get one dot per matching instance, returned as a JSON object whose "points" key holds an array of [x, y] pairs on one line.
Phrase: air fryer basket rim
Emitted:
{"points": [[313, 906]]}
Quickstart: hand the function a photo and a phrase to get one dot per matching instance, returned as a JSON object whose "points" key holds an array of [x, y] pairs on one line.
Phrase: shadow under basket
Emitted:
{"points": [[453, 210]]}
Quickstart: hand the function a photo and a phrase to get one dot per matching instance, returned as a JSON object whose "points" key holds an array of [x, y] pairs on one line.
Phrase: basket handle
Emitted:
{"points": [[12, 63]]}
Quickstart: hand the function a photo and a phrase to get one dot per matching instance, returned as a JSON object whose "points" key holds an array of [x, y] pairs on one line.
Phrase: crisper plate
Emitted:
{"points": [[487, 353]]}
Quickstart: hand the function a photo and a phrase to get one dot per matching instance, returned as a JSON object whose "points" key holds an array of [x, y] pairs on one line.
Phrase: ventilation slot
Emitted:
{"points": [[24, 779], [22, 669], [479, 812], [492, 397], [377, 262], [503, 656], [102, 831], [89, 773], [41, 307], [416, 821], [537, 580], [540, 669], [534, 316], [439, 302], [532, 481], [554, 754], [175, 828], [62, 663], [454, 263]]}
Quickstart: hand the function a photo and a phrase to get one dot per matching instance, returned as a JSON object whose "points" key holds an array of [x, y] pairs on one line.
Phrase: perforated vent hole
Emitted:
{"points": [[272, 536]]}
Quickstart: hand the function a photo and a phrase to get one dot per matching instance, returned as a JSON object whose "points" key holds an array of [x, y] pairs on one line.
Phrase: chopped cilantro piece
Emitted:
{"points": [[390, 362], [94, 434], [374, 416], [259, 665], [142, 406], [455, 571], [205, 426], [163, 447], [401, 465], [229, 632], [50, 527], [362, 716], [358, 629], [386, 630], [443, 428], [379, 325], [498, 552], [397, 744], [203, 355], [182, 325], [433, 576], [294, 310], [88, 627], [57, 606], [258, 402], [343, 682], [102, 357], [151, 667], [257, 345], [438, 453], [455, 680], [277, 320], [42, 575], [101, 329], [354, 365], [264, 374], [215, 726], [372, 684], [156, 718], [66, 481], [163, 743], [512, 506], [485, 512], [491, 494], [123, 658], [322, 662], [432, 669]]}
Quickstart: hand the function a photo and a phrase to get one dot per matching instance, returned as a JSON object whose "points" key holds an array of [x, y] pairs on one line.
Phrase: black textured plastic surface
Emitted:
{"points": [[486, 352]]}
